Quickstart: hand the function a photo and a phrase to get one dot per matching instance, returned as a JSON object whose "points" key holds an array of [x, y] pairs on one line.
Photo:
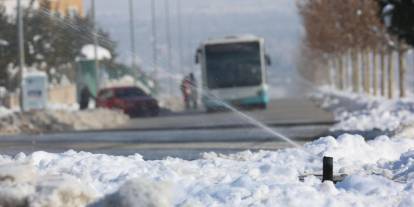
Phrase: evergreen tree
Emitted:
{"points": [[52, 42], [7, 46], [399, 16]]}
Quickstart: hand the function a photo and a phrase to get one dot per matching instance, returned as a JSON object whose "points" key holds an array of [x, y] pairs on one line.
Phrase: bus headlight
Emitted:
{"points": [[261, 92]]}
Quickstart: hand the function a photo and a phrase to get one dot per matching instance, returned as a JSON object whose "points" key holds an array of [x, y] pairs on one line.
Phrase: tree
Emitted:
{"points": [[7, 46], [345, 32], [52, 42], [398, 16]]}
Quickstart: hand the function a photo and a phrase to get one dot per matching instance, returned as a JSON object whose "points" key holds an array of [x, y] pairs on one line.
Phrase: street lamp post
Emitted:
{"points": [[154, 38], [20, 36], [95, 44], [169, 49], [180, 36], [132, 34]]}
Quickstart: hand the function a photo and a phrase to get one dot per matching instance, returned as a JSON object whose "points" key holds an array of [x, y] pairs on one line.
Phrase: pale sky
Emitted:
{"points": [[275, 20]]}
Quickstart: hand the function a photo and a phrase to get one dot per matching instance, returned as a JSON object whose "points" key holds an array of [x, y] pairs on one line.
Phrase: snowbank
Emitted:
{"points": [[88, 52], [381, 173], [358, 112], [60, 120], [12, 5], [20, 185], [5, 112]]}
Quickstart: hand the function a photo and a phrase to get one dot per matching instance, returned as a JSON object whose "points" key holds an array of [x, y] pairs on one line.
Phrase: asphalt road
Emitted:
{"points": [[281, 112], [186, 135]]}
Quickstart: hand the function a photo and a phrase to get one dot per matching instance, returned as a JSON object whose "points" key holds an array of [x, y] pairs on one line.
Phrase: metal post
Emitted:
{"points": [[132, 33], [168, 34], [327, 169], [154, 38], [95, 43], [21, 48], [180, 36]]}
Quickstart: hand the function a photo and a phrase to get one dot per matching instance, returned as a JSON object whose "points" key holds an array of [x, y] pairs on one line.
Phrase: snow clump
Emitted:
{"points": [[380, 173]]}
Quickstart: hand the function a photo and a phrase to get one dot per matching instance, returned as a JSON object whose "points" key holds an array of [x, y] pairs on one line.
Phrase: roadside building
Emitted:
{"points": [[63, 7]]}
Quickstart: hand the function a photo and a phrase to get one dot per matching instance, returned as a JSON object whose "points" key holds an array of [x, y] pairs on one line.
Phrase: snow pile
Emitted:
{"points": [[357, 112], [144, 192], [381, 173], [63, 107], [60, 120], [20, 185], [90, 119], [4, 111], [88, 52]]}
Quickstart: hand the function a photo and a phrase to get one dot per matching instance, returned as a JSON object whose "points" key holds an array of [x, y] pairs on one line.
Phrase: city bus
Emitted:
{"points": [[233, 71]]}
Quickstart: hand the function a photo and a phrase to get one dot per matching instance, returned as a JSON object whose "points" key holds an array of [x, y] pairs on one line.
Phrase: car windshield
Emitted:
{"points": [[193, 103]]}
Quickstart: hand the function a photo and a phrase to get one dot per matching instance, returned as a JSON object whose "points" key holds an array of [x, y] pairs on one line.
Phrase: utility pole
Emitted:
{"points": [[132, 34], [21, 47], [180, 36], [20, 37], [168, 33], [95, 44], [154, 39]]}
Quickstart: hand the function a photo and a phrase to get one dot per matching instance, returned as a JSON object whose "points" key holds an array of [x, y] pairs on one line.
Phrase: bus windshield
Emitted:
{"points": [[233, 65]]}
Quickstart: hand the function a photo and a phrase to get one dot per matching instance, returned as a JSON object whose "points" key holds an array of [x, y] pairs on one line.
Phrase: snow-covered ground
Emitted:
{"points": [[58, 119], [5, 111], [358, 112], [88, 52], [380, 173]]}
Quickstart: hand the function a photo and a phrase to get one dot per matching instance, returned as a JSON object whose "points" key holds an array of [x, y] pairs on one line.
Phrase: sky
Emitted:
{"points": [[11, 5], [275, 20]]}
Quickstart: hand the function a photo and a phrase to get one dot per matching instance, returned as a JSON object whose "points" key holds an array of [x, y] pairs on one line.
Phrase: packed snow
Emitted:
{"points": [[380, 173], [4, 111], [59, 120], [88, 52], [358, 112]]}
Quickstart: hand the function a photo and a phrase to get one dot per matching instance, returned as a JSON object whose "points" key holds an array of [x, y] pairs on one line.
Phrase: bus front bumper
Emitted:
{"points": [[261, 100]]}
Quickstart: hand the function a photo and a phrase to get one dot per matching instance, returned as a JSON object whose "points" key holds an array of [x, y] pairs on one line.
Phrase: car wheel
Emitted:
{"points": [[262, 106]]}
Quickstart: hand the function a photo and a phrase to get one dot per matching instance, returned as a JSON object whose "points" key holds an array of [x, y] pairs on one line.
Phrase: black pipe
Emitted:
{"points": [[327, 169]]}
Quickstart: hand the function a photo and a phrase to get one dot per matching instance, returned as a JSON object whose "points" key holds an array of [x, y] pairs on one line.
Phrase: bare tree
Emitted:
{"points": [[348, 33]]}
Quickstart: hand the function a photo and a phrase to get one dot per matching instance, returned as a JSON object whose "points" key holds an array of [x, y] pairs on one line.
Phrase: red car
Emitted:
{"points": [[131, 100]]}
